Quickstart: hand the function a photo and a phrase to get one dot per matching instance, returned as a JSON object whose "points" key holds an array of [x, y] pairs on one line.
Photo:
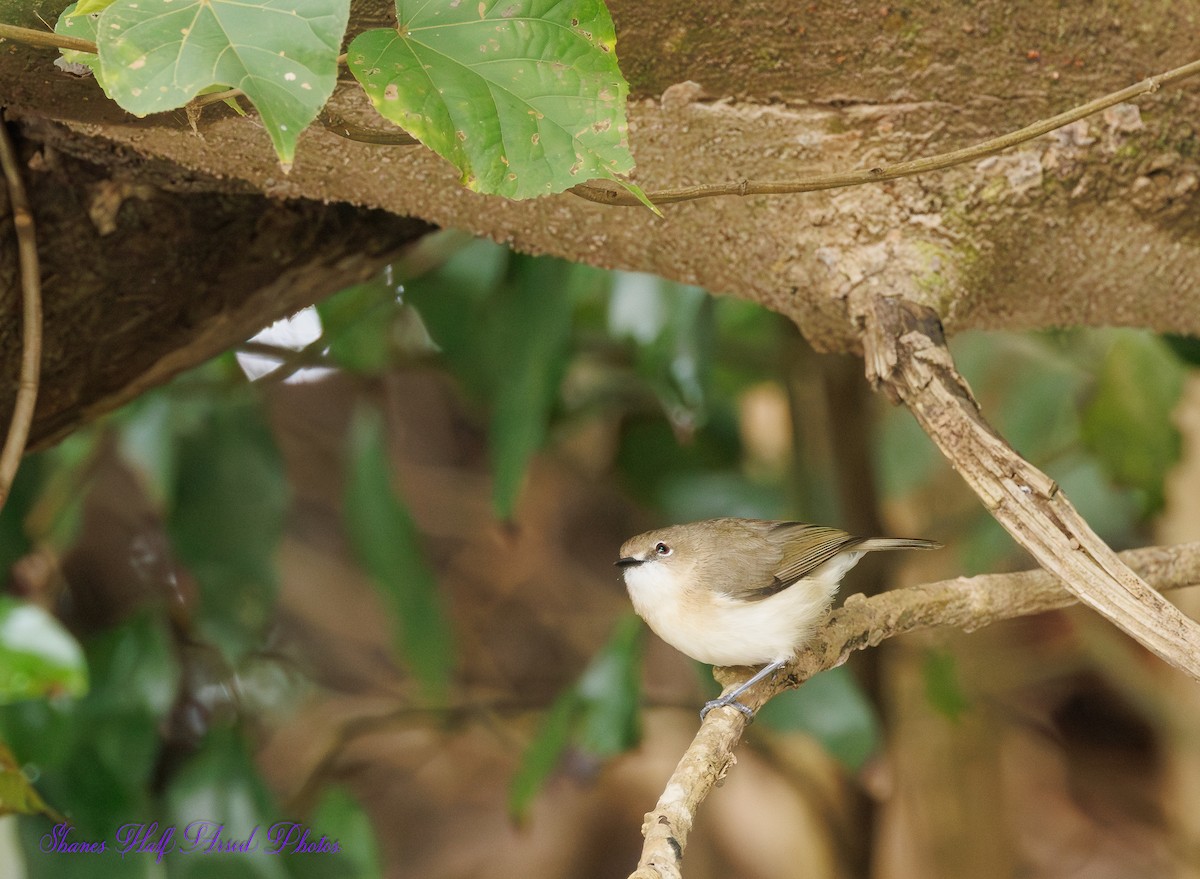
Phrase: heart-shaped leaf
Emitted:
{"points": [[159, 54], [524, 97]]}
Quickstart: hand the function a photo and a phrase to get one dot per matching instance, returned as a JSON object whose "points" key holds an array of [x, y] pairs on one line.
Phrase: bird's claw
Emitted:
{"points": [[726, 703]]}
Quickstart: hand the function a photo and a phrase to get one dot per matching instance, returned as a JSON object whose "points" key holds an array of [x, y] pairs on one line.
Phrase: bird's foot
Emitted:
{"points": [[729, 700], [726, 702]]}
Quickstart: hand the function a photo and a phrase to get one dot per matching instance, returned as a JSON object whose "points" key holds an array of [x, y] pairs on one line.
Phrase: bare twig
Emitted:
{"points": [[906, 355], [45, 39], [862, 622], [31, 333], [889, 172], [292, 360], [201, 101]]}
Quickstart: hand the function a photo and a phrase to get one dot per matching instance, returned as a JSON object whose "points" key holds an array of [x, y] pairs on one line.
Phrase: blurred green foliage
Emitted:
{"points": [[832, 708], [537, 346], [1127, 421], [38, 657], [229, 498], [385, 539], [598, 715], [944, 692], [17, 795]]}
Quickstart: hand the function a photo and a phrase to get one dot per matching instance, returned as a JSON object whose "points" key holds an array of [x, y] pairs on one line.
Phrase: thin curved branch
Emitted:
{"points": [[335, 124], [907, 357], [889, 172], [965, 603], [31, 319]]}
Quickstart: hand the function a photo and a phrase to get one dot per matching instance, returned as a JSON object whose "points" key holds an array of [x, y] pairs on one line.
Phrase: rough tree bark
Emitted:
{"points": [[140, 283], [1096, 224]]}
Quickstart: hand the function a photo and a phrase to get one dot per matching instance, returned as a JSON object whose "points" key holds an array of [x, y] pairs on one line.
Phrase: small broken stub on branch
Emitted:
{"points": [[894, 328]]}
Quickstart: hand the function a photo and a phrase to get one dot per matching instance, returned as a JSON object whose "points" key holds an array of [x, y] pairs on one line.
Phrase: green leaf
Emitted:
{"points": [[507, 335], [531, 332], [57, 514], [74, 23], [88, 7], [339, 817], [136, 677], [610, 690], [135, 669], [17, 795], [942, 688], [709, 495], [453, 303], [97, 754], [659, 469], [230, 497], [221, 785], [524, 97], [543, 754], [832, 709], [385, 539], [157, 55], [38, 657], [1127, 423], [1186, 348], [637, 192], [600, 712], [27, 486], [357, 323], [673, 326]]}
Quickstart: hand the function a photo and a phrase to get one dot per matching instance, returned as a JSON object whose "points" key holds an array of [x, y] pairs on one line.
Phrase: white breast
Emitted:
{"points": [[717, 629]]}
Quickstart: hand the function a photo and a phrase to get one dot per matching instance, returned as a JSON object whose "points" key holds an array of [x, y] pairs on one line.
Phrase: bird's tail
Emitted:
{"points": [[875, 543]]}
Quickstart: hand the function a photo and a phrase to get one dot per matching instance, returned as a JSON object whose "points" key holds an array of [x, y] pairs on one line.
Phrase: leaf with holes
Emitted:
{"points": [[524, 97], [74, 23], [159, 54]]}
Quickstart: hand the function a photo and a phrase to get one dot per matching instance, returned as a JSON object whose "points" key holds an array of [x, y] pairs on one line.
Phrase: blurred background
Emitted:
{"points": [[358, 575]]}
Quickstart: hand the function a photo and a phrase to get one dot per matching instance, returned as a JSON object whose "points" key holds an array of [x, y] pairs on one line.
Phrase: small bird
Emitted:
{"points": [[742, 591]]}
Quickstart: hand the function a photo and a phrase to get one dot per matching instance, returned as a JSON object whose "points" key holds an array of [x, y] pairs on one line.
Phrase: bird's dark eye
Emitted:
{"points": [[662, 549]]}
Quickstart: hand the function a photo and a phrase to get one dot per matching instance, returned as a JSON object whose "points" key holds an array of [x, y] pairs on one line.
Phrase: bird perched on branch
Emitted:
{"points": [[742, 591]]}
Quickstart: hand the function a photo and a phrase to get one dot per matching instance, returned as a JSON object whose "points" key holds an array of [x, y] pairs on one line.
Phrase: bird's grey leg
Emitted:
{"points": [[730, 699]]}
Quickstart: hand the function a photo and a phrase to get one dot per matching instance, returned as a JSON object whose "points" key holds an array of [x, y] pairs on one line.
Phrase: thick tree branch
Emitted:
{"points": [[907, 357], [622, 197], [972, 153], [863, 622]]}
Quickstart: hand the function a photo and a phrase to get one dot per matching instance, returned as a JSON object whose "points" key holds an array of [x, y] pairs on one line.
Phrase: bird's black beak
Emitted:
{"points": [[628, 562]]}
